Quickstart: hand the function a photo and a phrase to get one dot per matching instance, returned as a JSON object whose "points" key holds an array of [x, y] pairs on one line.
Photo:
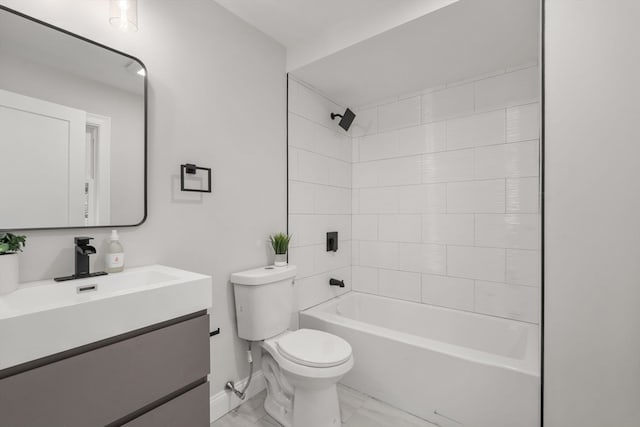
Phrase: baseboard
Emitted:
{"points": [[225, 401]]}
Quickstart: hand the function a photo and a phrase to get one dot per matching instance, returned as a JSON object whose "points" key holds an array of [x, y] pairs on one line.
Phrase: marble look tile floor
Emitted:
{"points": [[358, 410]]}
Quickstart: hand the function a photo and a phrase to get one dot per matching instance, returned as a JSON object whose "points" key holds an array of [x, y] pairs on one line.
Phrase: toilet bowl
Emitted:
{"points": [[302, 369]]}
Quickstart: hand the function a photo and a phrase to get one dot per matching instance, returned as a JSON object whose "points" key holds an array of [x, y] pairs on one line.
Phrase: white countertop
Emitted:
{"points": [[46, 317]]}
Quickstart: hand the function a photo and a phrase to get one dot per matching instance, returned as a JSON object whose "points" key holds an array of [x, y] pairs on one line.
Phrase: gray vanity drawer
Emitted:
{"points": [[188, 410], [104, 385]]}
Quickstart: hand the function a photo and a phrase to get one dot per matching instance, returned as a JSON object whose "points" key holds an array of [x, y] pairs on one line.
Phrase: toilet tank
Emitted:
{"points": [[264, 301]]}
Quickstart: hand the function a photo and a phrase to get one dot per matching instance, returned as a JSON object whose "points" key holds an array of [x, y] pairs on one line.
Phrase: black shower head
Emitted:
{"points": [[345, 119]]}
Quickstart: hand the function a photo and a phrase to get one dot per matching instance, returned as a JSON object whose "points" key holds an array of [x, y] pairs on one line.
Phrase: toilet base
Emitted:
{"points": [[316, 408], [279, 400], [276, 412], [313, 408], [296, 401]]}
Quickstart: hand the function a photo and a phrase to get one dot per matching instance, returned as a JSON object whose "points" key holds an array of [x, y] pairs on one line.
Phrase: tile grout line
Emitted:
{"points": [[431, 153]]}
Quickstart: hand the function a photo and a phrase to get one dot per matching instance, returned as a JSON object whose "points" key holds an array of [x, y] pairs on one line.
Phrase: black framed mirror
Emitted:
{"points": [[73, 130]]}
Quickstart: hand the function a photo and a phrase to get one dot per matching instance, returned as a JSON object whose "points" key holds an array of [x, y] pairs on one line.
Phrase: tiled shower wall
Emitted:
{"points": [[445, 196], [319, 195], [441, 189]]}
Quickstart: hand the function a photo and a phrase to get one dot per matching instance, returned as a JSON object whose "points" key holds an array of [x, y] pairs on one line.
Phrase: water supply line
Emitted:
{"points": [[230, 385]]}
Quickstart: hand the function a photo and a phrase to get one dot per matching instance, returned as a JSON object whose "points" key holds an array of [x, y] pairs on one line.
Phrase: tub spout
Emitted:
{"points": [[336, 282]]}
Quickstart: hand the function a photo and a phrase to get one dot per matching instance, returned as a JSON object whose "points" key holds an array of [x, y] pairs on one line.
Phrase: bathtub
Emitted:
{"points": [[446, 366]]}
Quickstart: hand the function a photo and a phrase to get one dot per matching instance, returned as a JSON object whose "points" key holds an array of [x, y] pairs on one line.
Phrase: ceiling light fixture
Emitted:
{"points": [[123, 14]]}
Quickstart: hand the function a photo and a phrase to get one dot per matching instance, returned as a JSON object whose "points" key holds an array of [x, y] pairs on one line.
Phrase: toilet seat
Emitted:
{"points": [[313, 348], [296, 368]]}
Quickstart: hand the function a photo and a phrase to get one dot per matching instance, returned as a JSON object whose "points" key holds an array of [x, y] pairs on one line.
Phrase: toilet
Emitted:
{"points": [[302, 367]]}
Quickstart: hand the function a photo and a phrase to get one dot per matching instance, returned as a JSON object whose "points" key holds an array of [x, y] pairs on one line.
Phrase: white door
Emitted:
{"points": [[42, 162], [98, 170]]}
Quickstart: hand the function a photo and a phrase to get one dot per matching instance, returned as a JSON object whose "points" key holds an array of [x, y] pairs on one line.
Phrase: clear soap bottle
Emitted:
{"points": [[114, 262]]}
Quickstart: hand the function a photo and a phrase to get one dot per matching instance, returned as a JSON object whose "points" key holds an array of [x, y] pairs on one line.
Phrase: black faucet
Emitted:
{"points": [[82, 252], [336, 282]]}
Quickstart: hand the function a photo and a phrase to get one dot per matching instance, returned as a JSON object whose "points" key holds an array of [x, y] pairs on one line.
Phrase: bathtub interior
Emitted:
{"points": [[495, 340]]}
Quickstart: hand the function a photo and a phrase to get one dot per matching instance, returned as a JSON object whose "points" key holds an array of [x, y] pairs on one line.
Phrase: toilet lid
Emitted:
{"points": [[313, 348]]}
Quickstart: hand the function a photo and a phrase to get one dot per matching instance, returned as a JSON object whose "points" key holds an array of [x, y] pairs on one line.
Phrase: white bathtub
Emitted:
{"points": [[449, 367]]}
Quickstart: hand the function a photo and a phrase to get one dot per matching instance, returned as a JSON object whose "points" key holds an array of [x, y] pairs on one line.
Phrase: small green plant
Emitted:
{"points": [[10, 243], [280, 243]]}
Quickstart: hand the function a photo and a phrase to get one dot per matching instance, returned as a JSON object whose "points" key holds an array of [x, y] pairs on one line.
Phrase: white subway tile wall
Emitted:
{"points": [[435, 196], [320, 196], [400, 114], [445, 195], [399, 284], [446, 291]]}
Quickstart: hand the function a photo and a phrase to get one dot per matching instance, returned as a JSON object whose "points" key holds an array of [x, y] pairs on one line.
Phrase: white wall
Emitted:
{"points": [[445, 196], [319, 195], [592, 294], [217, 97]]}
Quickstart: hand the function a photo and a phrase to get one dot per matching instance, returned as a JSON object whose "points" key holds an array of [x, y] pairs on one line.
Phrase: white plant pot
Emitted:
{"points": [[9, 272], [281, 260]]}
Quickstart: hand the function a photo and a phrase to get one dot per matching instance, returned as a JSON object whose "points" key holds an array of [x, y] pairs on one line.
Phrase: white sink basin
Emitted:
{"points": [[47, 317]]}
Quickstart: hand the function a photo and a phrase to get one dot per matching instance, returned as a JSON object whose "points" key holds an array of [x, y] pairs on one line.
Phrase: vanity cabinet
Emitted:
{"points": [[152, 377], [185, 410]]}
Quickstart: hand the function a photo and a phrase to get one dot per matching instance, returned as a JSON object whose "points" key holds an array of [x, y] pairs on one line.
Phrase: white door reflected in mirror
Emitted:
{"points": [[44, 145]]}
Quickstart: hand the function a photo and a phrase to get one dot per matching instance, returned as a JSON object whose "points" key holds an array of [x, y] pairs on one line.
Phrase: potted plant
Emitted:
{"points": [[10, 245], [280, 243]]}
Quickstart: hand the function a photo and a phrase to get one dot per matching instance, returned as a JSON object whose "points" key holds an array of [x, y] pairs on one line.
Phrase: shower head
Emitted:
{"points": [[345, 119]]}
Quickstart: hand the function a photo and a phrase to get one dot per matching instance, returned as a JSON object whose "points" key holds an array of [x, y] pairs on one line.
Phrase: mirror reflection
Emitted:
{"points": [[72, 120]]}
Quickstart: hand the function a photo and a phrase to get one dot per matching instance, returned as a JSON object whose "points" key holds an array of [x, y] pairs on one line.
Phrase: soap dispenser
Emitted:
{"points": [[114, 262]]}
